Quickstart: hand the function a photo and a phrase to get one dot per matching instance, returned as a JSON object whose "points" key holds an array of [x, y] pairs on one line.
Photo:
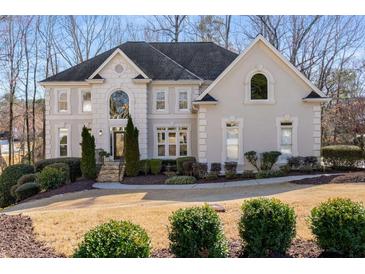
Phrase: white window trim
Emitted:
{"points": [[240, 139], [56, 98], [177, 95], [154, 107], [155, 141], [270, 87], [69, 143], [81, 92], [294, 121]]}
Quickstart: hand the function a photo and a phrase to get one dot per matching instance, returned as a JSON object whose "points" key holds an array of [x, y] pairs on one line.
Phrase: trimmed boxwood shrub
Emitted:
{"points": [[9, 178], [180, 161], [197, 232], [26, 178], [339, 227], [63, 168], [51, 178], [183, 180], [144, 166], [269, 159], [27, 190], [342, 156], [168, 164], [188, 168], [267, 226], [115, 239], [216, 168], [72, 162], [156, 165], [230, 169]]}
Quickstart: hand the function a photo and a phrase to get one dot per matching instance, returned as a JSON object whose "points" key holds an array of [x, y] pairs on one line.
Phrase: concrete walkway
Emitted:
{"points": [[252, 182]]}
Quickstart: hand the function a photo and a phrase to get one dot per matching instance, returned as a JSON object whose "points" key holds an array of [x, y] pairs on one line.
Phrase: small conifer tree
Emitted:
{"points": [[88, 162], [131, 149]]}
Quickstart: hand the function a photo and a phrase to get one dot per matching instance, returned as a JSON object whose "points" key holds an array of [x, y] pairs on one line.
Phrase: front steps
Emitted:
{"points": [[111, 172]]}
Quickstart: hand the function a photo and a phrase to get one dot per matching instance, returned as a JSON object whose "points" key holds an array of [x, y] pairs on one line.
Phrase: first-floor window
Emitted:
{"points": [[63, 139], [232, 141], [286, 138], [172, 141]]}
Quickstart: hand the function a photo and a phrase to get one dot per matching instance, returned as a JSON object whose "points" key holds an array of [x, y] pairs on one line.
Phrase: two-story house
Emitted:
{"points": [[185, 98]]}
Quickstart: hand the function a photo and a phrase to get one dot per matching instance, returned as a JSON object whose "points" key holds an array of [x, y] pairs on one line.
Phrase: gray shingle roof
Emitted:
{"points": [[160, 61]]}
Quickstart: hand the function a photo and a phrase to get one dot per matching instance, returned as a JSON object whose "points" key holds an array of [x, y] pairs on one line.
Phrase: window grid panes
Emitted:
{"points": [[119, 105], [232, 141], [86, 101], [63, 137], [172, 141], [183, 100], [286, 138], [160, 100], [62, 101]]}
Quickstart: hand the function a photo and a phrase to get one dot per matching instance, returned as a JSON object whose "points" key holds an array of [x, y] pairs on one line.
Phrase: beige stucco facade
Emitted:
{"points": [[259, 122]]}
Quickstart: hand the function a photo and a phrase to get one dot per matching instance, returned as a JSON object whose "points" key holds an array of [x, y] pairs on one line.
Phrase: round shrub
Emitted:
{"points": [[51, 178], [339, 227], [180, 180], [342, 156], [180, 163], [27, 190], [9, 178], [267, 226], [26, 178], [155, 165], [269, 159], [115, 239], [197, 232], [62, 167], [72, 162]]}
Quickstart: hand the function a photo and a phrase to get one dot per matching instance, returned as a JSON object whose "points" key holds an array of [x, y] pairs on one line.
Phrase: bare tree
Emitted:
{"points": [[171, 26]]}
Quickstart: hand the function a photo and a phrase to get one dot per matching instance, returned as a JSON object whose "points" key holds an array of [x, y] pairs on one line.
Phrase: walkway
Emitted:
{"points": [[252, 182]]}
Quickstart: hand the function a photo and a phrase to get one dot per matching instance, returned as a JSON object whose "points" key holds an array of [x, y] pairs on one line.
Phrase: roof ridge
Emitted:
{"points": [[174, 61]]}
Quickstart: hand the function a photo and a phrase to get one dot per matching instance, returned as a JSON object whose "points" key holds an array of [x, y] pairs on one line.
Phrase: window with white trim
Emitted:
{"points": [[259, 87], [62, 98], [86, 101], [286, 138], [63, 142], [172, 141], [160, 101], [232, 141], [182, 102]]}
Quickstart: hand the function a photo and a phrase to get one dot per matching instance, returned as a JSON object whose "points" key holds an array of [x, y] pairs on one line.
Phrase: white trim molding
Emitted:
{"points": [[294, 121], [155, 91], [202, 134], [179, 90], [317, 130], [56, 93], [118, 51], [276, 52], [81, 92], [166, 126], [69, 141], [270, 86], [224, 122]]}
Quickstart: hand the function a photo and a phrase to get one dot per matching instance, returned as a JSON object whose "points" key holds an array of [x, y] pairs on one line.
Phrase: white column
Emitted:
{"points": [[316, 130], [202, 135]]}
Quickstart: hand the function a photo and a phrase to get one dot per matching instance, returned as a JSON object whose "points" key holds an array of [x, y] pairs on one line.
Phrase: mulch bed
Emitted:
{"points": [[350, 177], [17, 239], [79, 185], [299, 249]]}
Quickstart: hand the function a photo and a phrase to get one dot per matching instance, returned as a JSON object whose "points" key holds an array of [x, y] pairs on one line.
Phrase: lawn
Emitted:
{"points": [[61, 221]]}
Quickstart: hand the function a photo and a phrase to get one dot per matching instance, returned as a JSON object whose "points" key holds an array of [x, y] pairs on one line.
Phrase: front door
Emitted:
{"points": [[118, 144]]}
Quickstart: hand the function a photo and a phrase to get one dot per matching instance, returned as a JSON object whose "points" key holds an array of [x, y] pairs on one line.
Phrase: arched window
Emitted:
{"points": [[119, 105], [259, 87]]}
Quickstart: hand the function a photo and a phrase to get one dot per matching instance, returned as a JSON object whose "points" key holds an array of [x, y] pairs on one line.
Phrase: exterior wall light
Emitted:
{"points": [[100, 132]]}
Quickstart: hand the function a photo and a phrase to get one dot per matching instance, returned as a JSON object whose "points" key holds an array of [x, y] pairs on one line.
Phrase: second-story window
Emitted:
{"points": [[160, 100], [62, 101], [183, 100], [86, 101]]}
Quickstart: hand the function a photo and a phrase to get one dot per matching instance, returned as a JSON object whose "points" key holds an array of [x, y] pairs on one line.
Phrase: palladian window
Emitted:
{"points": [[119, 105], [259, 87]]}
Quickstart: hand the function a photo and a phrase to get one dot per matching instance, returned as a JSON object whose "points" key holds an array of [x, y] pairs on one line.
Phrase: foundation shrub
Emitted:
{"points": [[26, 190], [155, 165], [72, 162], [180, 161]]}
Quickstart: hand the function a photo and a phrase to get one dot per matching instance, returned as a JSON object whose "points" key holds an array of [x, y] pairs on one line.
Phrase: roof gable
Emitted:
{"points": [[276, 52]]}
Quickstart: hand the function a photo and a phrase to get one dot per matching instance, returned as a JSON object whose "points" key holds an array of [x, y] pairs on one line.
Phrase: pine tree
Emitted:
{"points": [[88, 162], [131, 149]]}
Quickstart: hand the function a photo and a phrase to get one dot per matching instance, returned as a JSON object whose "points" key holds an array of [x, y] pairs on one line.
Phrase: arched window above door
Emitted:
{"points": [[119, 105]]}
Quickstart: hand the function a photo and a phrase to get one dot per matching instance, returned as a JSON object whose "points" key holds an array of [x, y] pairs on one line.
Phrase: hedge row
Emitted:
{"points": [[267, 228], [72, 162]]}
